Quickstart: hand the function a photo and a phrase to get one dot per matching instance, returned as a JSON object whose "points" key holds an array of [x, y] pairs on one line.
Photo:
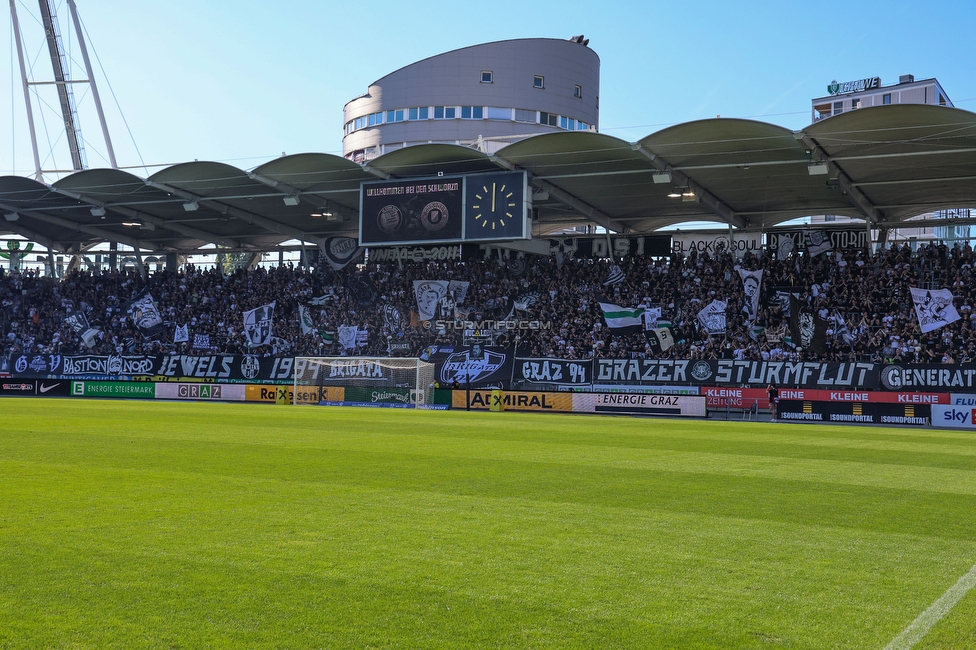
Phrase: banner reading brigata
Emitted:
{"points": [[482, 367]]}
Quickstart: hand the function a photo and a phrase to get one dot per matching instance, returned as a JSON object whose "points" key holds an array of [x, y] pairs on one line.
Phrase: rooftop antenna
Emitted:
{"points": [[64, 84]]}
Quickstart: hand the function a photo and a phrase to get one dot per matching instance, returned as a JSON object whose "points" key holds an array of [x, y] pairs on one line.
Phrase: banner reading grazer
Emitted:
{"points": [[739, 373]]}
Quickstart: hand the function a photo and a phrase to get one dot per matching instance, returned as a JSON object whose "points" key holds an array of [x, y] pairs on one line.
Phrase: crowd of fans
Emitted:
{"points": [[864, 299]]}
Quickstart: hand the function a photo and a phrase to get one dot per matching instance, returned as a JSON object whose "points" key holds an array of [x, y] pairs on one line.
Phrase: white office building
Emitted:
{"points": [[484, 96]]}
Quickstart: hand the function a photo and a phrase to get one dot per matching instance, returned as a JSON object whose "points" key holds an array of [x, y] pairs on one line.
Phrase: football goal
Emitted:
{"points": [[364, 381]]}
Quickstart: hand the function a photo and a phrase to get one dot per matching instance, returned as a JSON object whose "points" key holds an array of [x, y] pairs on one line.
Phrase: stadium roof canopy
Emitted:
{"points": [[883, 164]]}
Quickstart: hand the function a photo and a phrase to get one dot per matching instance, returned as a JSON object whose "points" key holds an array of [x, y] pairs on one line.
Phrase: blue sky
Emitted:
{"points": [[241, 82]]}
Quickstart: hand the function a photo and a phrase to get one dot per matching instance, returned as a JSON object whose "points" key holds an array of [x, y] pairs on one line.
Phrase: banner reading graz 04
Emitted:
{"points": [[561, 372], [736, 373]]}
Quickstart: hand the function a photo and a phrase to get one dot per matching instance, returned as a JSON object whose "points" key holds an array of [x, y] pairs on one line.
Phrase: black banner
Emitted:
{"points": [[559, 372], [484, 367], [841, 240], [929, 377], [416, 211], [853, 412], [654, 372], [596, 247], [34, 387], [224, 367]]}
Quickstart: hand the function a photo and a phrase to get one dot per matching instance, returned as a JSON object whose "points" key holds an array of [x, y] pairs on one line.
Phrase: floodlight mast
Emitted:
{"points": [[62, 80]]}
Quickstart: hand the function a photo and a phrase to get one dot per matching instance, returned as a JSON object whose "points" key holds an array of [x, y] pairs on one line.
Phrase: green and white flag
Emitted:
{"points": [[621, 320], [305, 320]]}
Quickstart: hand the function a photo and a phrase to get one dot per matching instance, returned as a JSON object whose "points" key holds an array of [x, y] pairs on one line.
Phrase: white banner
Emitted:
{"points": [[429, 294], [751, 281], [934, 308], [712, 317], [348, 335], [257, 324]]}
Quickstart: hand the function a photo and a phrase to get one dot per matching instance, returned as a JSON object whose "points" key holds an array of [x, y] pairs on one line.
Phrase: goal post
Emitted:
{"points": [[364, 381]]}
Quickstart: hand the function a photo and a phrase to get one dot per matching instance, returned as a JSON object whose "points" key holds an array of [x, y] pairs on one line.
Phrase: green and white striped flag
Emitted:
{"points": [[621, 320]]}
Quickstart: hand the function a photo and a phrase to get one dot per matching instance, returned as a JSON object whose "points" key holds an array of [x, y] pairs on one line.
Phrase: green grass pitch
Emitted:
{"points": [[187, 525]]}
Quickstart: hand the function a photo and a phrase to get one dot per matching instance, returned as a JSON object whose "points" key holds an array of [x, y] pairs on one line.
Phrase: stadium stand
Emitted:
{"points": [[861, 302]]}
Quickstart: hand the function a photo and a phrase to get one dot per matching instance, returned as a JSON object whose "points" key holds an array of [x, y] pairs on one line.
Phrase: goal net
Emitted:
{"points": [[364, 381]]}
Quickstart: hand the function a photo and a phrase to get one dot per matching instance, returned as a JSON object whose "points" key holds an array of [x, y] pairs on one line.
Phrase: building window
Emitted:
{"points": [[567, 123], [445, 112], [548, 119], [838, 108], [472, 112], [855, 104], [412, 114], [578, 92], [886, 99], [538, 81], [503, 114], [582, 126], [521, 115], [486, 76], [417, 113], [830, 217]]}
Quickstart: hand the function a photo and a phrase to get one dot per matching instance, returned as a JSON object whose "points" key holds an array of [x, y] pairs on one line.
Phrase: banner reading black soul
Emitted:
{"points": [[418, 211]]}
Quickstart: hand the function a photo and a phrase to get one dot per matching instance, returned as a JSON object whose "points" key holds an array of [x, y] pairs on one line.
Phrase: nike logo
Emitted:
{"points": [[45, 389]]}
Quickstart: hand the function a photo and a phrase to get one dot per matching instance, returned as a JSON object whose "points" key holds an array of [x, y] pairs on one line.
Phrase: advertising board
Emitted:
{"points": [[126, 389], [513, 400], [953, 415], [853, 412], [639, 404], [201, 392]]}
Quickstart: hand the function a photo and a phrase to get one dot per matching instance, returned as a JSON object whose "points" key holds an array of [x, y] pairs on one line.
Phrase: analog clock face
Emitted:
{"points": [[494, 206]]}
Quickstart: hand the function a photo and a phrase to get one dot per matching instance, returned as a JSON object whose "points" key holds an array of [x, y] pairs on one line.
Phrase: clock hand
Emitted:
{"points": [[492, 197]]}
